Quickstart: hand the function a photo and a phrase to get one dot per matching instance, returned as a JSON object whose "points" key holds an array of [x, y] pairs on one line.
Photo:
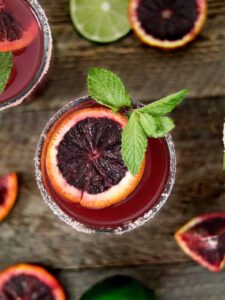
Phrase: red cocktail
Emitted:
{"points": [[29, 39], [150, 191]]}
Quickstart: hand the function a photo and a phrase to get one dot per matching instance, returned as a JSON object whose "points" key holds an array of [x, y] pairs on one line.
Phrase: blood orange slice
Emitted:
{"points": [[83, 159], [25, 281], [12, 35], [203, 239], [167, 24], [8, 193]]}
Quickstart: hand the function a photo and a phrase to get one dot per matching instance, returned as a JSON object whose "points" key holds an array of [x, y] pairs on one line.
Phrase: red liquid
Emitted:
{"points": [[27, 61], [145, 197]]}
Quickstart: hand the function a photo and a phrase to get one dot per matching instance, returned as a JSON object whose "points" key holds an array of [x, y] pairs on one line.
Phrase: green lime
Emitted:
{"points": [[100, 21], [119, 288]]}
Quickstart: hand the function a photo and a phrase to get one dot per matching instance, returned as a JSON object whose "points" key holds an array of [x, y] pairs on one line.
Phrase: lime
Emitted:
{"points": [[118, 288], [100, 21]]}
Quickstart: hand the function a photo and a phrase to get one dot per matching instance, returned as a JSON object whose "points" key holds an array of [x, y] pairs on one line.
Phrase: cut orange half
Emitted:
{"points": [[167, 24], [83, 159], [26, 281], [203, 239], [8, 193], [12, 36]]}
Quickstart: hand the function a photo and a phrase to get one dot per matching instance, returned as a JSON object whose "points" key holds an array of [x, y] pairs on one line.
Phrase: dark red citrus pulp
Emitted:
{"points": [[141, 200]]}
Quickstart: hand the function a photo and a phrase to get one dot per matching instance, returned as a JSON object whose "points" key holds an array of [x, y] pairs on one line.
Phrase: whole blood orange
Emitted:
{"points": [[28, 282], [83, 159], [8, 193], [203, 239], [12, 35], [167, 24]]}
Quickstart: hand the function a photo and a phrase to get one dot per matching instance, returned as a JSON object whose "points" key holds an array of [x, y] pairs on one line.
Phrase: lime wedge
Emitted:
{"points": [[100, 21]]}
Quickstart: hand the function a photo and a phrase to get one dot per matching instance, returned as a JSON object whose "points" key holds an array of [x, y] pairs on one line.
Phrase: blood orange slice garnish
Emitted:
{"points": [[28, 282], [12, 35], [203, 239], [8, 193], [167, 24], [83, 159]]}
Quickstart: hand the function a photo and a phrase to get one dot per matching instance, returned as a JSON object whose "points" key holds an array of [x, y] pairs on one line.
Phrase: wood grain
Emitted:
{"points": [[33, 234]]}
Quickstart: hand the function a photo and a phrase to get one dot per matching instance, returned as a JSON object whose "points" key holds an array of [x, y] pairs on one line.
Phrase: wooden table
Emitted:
{"points": [[33, 234]]}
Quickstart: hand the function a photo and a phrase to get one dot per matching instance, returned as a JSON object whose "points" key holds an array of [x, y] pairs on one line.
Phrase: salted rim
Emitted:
{"points": [[131, 225], [47, 54]]}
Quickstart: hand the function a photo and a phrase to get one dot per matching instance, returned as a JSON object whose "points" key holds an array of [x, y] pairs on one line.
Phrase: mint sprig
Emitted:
{"points": [[107, 89], [6, 63], [145, 122]]}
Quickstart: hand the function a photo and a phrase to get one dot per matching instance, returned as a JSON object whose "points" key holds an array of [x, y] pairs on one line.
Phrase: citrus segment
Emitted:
{"points": [[12, 36], [203, 239], [83, 159], [8, 193], [101, 21], [25, 281], [167, 24]]}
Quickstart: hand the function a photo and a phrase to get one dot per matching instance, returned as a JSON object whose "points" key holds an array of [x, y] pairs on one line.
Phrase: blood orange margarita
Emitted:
{"points": [[25, 32], [81, 175]]}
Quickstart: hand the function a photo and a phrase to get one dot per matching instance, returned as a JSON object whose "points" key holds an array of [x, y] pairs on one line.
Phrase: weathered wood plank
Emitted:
{"points": [[33, 233], [148, 73]]}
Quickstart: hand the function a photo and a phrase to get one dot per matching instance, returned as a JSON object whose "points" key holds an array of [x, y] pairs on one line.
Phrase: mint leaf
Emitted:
{"points": [[165, 105], [148, 124], [164, 126], [6, 63], [107, 89], [134, 144], [156, 126]]}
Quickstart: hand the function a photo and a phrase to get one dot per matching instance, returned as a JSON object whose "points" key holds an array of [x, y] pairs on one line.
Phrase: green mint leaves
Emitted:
{"points": [[145, 122], [107, 89], [6, 63], [134, 144]]}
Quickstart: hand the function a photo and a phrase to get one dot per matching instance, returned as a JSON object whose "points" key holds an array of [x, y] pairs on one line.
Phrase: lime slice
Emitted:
{"points": [[100, 21]]}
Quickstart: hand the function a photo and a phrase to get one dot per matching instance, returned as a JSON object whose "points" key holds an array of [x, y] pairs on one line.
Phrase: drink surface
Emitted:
{"points": [[145, 197], [27, 61]]}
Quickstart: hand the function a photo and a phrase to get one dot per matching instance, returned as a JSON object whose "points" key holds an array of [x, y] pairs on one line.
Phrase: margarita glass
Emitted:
{"points": [[31, 63], [136, 209]]}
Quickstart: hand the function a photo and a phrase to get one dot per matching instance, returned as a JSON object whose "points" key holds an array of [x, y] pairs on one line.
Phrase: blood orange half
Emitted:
{"points": [[203, 239], [25, 281], [167, 24], [8, 193], [83, 159], [12, 35]]}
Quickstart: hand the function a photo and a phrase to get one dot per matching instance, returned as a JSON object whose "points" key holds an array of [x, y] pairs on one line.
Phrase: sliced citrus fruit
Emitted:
{"points": [[119, 288], [12, 36], [26, 281], [203, 239], [100, 21], [83, 159], [8, 193], [167, 24]]}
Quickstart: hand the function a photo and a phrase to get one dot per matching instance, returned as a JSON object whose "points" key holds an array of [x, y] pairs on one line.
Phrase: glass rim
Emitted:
{"points": [[126, 227], [45, 63]]}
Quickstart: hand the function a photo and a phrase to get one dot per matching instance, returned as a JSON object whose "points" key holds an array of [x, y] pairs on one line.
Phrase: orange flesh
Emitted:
{"points": [[36, 271], [182, 243], [95, 201], [164, 44], [10, 185]]}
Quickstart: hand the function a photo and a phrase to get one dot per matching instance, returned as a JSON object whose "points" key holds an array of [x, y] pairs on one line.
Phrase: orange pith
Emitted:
{"points": [[10, 184], [167, 44], [38, 272], [179, 237], [27, 38], [70, 193]]}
